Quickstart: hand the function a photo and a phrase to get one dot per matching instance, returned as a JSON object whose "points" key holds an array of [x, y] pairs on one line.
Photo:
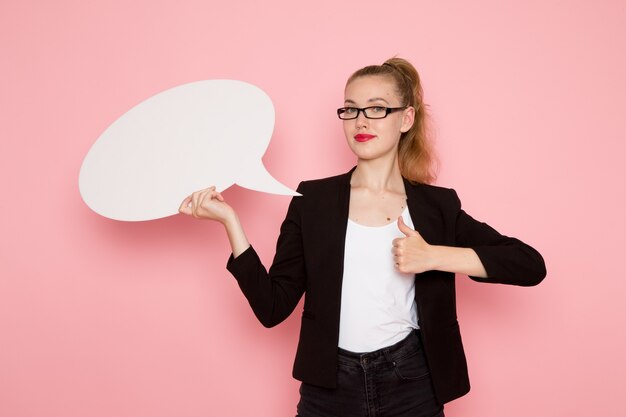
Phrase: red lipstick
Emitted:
{"points": [[362, 137]]}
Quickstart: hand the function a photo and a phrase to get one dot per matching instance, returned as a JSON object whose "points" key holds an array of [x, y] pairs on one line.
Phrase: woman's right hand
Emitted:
{"points": [[207, 204]]}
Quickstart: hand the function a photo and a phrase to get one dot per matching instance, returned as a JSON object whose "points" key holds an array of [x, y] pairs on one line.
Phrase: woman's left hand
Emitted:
{"points": [[411, 254]]}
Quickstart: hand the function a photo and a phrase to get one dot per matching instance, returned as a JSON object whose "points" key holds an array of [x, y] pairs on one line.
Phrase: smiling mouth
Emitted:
{"points": [[361, 137]]}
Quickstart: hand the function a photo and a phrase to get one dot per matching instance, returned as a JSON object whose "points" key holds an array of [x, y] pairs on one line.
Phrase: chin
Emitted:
{"points": [[369, 153]]}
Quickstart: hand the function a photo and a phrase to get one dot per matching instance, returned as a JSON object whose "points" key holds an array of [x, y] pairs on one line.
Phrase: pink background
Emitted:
{"points": [[103, 318]]}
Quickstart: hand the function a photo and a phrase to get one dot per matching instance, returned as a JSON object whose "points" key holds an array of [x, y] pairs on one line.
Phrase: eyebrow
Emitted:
{"points": [[369, 101]]}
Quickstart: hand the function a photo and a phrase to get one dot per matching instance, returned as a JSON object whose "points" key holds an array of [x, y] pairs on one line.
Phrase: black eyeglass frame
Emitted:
{"points": [[388, 111]]}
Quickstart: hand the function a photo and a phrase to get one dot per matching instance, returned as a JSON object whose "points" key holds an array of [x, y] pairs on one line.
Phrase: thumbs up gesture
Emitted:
{"points": [[411, 254]]}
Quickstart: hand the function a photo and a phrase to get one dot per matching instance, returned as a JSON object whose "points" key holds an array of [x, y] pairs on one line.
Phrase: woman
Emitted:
{"points": [[374, 251]]}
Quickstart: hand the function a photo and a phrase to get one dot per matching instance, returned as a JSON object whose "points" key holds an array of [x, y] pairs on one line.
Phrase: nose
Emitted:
{"points": [[361, 120]]}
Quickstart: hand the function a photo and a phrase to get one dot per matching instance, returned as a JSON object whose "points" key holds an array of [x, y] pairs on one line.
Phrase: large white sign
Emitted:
{"points": [[181, 140]]}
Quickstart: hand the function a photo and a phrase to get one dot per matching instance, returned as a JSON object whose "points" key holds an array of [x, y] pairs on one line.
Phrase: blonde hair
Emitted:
{"points": [[416, 155]]}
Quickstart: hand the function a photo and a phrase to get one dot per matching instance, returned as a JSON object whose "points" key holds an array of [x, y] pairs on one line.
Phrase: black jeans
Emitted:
{"points": [[389, 382]]}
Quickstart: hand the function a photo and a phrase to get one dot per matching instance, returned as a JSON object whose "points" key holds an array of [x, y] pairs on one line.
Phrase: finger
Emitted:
{"points": [[206, 190], [184, 206], [205, 198], [195, 200], [405, 229], [213, 195]]}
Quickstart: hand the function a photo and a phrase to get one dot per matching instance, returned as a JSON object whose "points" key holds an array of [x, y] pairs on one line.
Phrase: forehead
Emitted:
{"points": [[364, 89]]}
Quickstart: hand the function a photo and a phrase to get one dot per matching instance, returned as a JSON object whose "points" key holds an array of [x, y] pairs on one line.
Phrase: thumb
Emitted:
{"points": [[406, 229], [184, 206]]}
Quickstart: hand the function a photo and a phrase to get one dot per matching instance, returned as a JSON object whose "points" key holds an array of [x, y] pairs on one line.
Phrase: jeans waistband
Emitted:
{"points": [[393, 352]]}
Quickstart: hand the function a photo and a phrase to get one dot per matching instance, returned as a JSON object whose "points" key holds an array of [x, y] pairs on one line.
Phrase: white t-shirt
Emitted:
{"points": [[377, 302]]}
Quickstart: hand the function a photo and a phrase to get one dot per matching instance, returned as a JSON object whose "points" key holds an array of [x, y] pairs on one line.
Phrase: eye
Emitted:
{"points": [[378, 109], [350, 110]]}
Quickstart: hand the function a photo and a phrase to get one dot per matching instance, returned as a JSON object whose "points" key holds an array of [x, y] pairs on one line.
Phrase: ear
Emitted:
{"points": [[408, 118]]}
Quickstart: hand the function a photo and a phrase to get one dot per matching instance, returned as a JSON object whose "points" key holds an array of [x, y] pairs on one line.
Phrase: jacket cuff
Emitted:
{"points": [[524, 267], [239, 265], [490, 268]]}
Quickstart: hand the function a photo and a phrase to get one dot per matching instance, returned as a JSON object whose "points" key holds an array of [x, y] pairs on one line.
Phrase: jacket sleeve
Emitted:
{"points": [[507, 260], [273, 295]]}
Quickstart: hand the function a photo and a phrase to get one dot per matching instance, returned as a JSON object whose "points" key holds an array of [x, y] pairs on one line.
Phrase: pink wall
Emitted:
{"points": [[100, 318]]}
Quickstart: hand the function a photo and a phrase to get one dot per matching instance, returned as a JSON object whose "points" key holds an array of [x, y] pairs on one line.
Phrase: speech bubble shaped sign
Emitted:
{"points": [[211, 132]]}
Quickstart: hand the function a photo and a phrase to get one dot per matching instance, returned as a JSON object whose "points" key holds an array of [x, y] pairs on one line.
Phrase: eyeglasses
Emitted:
{"points": [[373, 112]]}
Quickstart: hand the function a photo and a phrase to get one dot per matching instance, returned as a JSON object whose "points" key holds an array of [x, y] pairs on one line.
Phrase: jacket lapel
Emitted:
{"points": [[328, 222], [425, 220]]}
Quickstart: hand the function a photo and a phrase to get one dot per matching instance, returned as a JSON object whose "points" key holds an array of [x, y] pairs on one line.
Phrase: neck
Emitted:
{"points": [[379, 175]]}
